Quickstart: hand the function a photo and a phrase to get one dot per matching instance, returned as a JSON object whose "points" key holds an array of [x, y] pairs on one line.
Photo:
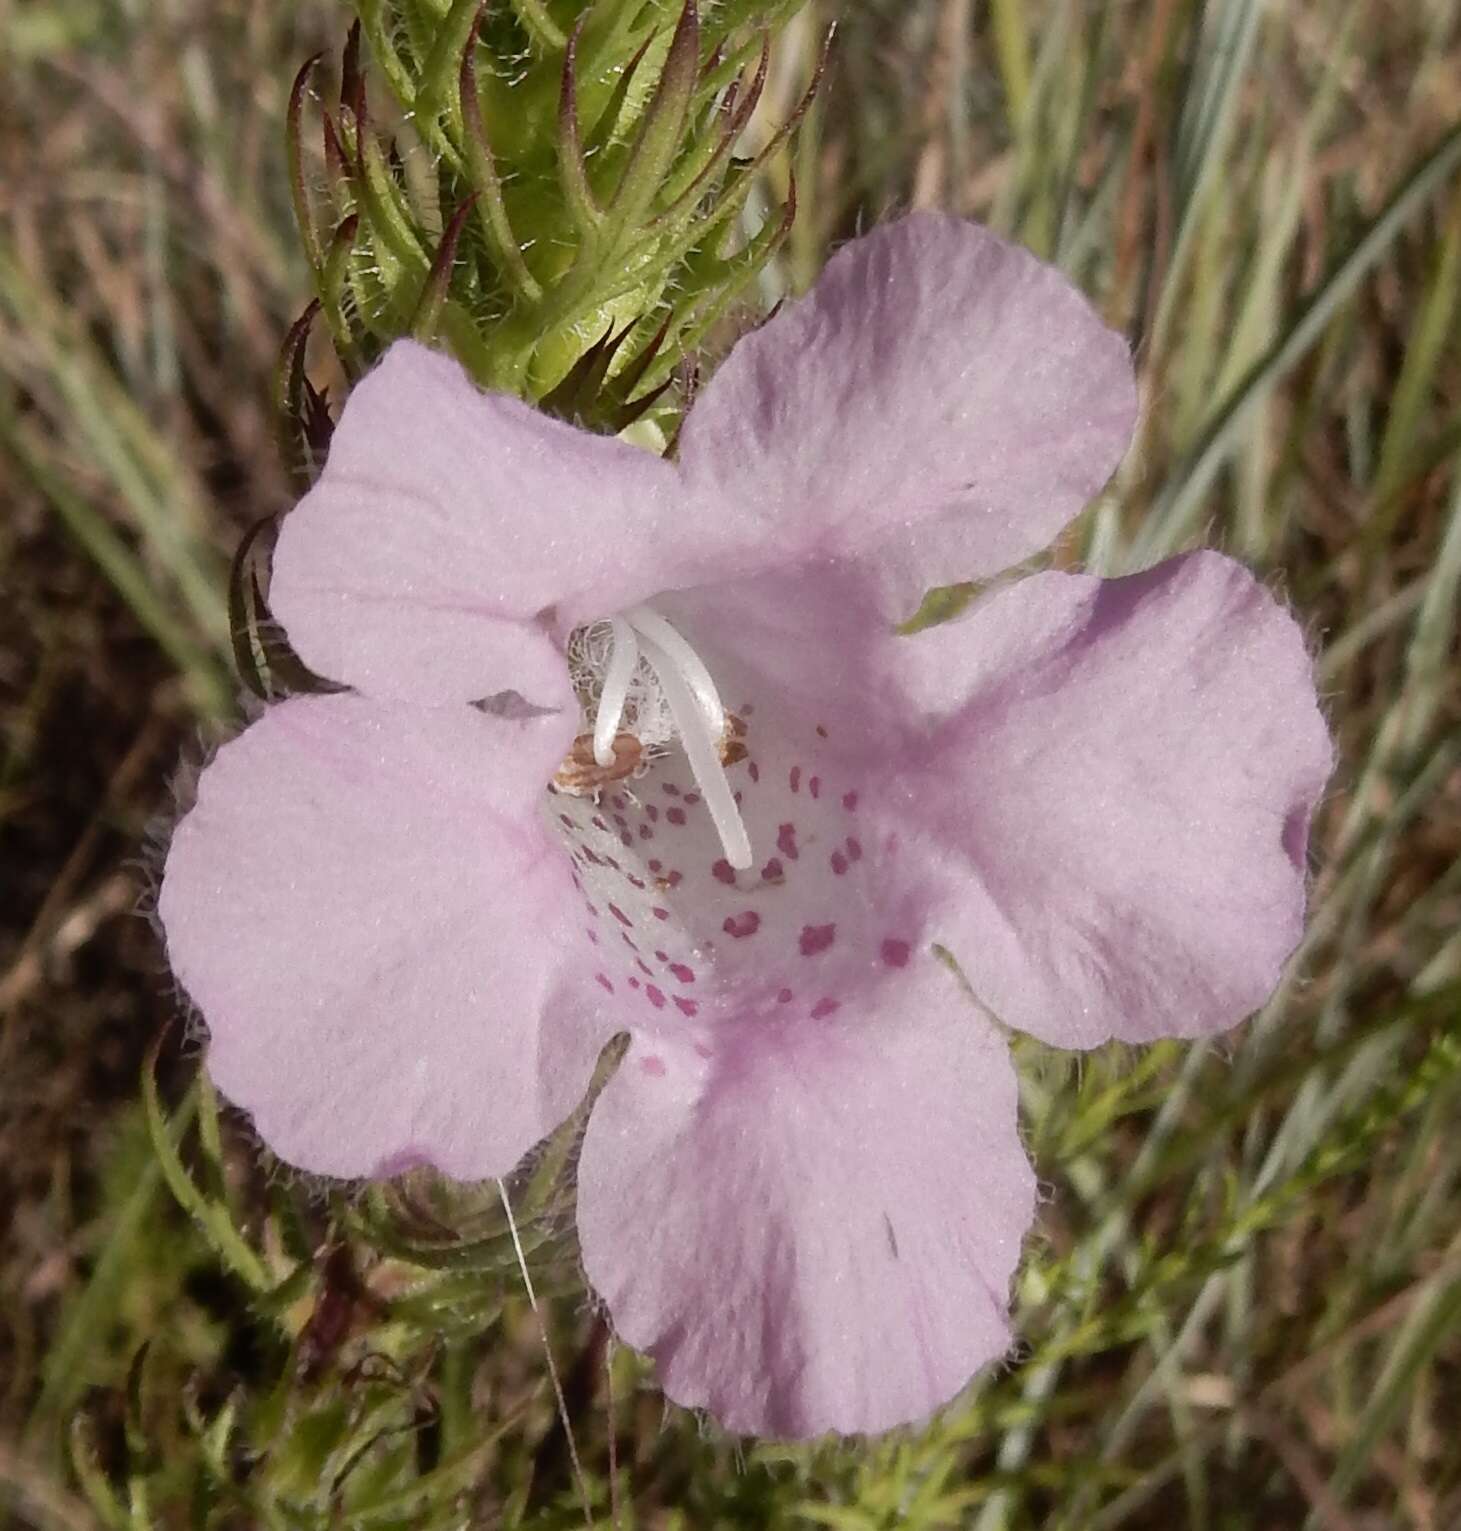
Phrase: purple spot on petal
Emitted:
{"points": [[817, 938], [626, 840], [675, 816], [619, 803], [653, 1065], [651, 813], [839, 863], [635, 882], [1295, 837], [784, 998], [599, 824], [824, 1008], [691, 798], [686, 1007], [795, 779], [854, 849], [669, 789], [702, 1048], [724, 872], [644, 967], [602, 978], [633, 982], [565, 821], [682, 972], [814, 786], [753, 771], [895, 953], [660, 914], [619, 914], [786, 841], [656, 866], [742, 925], [655, 996], [849, 801], [645, 832], [592, 934], [773, 871]]}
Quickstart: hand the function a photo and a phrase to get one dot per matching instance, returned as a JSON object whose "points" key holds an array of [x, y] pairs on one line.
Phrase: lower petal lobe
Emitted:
{"points": [[365, 908], [815, 1231]]}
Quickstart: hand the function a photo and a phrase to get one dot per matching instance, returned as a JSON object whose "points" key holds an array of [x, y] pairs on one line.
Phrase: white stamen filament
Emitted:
{"points": [[684, 660], [623, 660], [700, 737]]}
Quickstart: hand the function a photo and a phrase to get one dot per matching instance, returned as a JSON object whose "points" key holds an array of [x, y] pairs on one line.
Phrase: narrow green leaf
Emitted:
{"points": [[539, 25], [438, 111], [482, 168], [289, 383], [427, 318], [211, 1219], [715, 144], [733, 274], [1178, 505], [92, 1480], [335, 293], [396, 243], [583, 206], [303, 212], [123, 569], [1432, 336], [242, 617], [660, 131], [375, 20]]}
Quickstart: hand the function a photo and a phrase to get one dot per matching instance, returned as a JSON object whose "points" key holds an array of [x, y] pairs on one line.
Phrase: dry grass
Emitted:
{"points": [[1244, 1308]]}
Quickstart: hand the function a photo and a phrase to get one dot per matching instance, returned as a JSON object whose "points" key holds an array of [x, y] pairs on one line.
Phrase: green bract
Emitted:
{"points": [[553, 192]]}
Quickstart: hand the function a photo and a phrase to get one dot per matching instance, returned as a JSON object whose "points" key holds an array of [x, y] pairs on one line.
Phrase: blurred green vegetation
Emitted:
{"points": [[1242, 1306]]}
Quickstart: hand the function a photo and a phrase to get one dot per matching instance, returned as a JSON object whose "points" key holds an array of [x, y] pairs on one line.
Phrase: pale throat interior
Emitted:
{"points": [[636, 674]]}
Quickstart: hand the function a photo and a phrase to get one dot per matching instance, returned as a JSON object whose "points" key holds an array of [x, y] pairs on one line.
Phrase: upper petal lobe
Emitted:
{"points": [[940, 396], [445, 521], [365, 908]]}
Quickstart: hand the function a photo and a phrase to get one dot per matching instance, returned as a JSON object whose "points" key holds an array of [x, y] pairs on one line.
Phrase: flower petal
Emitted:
{"points": [[939, 392], [815, 1228], [446, 521], [1122, 792], [367, 911]]}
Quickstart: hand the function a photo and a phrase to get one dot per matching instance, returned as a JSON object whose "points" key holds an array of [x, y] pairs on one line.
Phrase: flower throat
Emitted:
{"points": [[642, 686]]}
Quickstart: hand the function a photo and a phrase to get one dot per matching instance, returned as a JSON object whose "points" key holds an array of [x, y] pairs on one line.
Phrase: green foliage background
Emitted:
{"points": [[1241, 1308]]}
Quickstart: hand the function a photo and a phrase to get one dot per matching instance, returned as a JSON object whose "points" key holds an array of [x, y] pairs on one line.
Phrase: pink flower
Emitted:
{"points": [[803, 1192]]}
